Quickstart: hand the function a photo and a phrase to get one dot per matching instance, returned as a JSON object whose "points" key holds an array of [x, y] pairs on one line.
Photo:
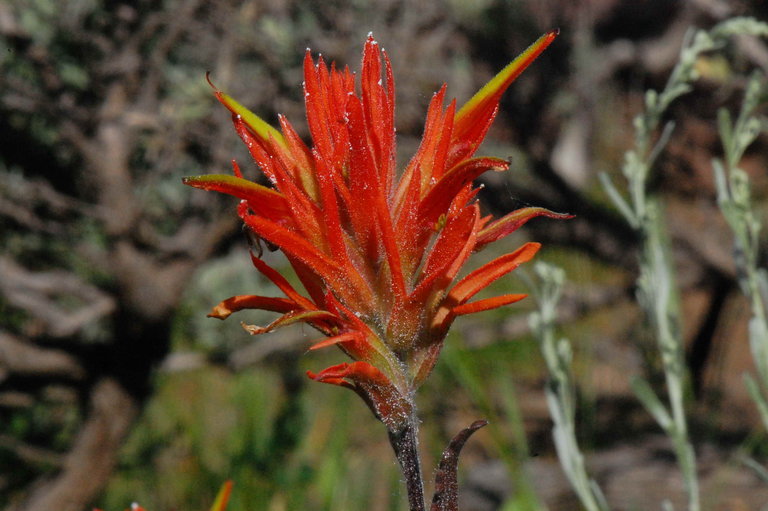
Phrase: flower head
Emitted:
{"points": [[378, 253]]}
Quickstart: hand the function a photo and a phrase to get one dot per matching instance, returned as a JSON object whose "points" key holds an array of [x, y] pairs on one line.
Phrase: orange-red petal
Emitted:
{"points": [[317, 318], [445, 190], [281, 282], [336, 339], [511, 222], [383, 398], [236, 303], [292, 244], [486, 304], [262, 200], [479, 279]]}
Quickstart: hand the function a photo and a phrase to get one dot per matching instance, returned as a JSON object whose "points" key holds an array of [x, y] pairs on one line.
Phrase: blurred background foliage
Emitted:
{"points": [[114, 387]]}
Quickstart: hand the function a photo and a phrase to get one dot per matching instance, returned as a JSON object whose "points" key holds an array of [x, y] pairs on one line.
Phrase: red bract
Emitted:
{"points": [[377, 254]]}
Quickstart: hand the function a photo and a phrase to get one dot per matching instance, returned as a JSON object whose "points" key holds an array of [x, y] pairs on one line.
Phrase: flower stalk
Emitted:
{"points": [[405, 443]]}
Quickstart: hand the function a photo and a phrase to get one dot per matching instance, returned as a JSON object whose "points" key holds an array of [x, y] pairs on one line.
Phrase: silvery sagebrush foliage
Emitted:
{"points": [[733, 197], [656, 291], [561, 387]]}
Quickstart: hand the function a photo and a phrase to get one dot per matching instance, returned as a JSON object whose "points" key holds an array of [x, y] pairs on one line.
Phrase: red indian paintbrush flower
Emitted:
{"points": [[377, 254]]}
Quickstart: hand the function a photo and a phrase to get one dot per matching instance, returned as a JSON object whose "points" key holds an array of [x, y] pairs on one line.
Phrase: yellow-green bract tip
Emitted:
{"points": [[220, 504], [258, 126], [500, 82]]}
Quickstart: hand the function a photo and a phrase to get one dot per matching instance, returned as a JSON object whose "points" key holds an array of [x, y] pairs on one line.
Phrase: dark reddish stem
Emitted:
{"points": [[406, 445], [446, 496]]}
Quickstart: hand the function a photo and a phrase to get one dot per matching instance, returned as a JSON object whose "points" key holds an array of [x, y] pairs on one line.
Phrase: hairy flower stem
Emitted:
{"points": [[406, 445]]}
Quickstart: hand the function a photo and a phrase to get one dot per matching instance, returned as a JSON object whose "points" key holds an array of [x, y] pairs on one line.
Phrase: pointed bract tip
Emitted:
{"points": [[222, 498], [550, 36], [236, 169], [545, 40], [219, 312], [478, 424]]}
